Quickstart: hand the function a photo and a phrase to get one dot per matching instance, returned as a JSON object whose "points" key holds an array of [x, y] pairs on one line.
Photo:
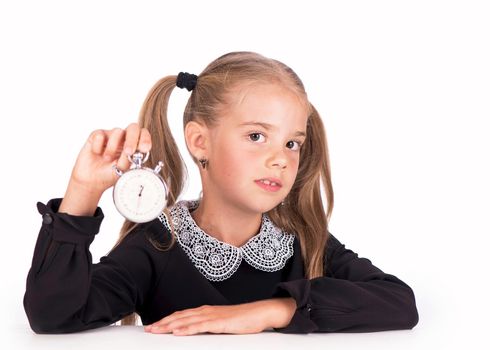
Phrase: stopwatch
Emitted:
{"points": [[140, 194]]}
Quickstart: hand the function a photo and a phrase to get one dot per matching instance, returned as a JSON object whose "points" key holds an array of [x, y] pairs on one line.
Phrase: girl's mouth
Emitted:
{"points": [[271, 187]]}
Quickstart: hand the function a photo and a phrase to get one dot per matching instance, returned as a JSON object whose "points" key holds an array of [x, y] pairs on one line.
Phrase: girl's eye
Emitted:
{"points": [[299, 145], [256, 135]]}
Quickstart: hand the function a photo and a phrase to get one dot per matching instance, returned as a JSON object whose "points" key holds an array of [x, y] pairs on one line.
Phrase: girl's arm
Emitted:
{"points": [[65, 292], [353, 296]]}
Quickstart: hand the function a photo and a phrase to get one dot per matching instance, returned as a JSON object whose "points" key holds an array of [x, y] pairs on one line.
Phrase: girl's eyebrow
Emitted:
{"points": [[271, 127]]}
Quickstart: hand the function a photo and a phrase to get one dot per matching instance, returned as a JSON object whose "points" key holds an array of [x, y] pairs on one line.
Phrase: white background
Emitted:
{"points": [[403, 88]]}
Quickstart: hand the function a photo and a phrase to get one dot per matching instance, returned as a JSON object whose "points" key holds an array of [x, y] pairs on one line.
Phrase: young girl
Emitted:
{"points": [[252, 252]]}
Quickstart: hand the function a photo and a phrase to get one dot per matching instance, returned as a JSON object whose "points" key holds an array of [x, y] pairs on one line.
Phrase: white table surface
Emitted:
{"points": [[20, 336]]}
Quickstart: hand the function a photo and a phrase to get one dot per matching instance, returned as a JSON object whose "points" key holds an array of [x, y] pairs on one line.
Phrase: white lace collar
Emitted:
{"points": [[216, 260]]}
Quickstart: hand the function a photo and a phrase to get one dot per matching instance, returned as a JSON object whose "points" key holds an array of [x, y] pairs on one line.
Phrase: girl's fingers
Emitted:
{"points": [[97, 140], [144, 144], [132, 136], [123, 162], [195, 328], [130, 141], [180, 323], [114, 145], [178, 315]]}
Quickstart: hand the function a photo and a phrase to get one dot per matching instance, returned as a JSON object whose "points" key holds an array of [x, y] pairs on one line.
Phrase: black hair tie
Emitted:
{"points": [[186, 80]]}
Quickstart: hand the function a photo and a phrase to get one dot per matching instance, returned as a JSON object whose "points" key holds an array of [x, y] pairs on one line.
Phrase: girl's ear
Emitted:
{"points": [[197, 139]]}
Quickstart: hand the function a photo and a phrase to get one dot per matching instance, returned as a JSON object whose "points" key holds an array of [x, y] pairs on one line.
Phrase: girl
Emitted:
{"points": [[252, 252]]}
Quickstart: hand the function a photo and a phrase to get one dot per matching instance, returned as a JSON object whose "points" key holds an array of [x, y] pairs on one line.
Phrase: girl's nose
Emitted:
{"points": [[279, 159]]}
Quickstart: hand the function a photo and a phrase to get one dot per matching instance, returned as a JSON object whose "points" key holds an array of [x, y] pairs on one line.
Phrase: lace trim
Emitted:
{"points": [[268, 251]]}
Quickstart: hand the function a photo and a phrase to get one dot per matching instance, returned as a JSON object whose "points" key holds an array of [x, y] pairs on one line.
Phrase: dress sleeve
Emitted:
{"points": [[354, 296], [65, 292]]}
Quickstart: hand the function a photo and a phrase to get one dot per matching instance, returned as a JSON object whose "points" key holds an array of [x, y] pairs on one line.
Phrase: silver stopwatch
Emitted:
{"points": [[140, 194]]}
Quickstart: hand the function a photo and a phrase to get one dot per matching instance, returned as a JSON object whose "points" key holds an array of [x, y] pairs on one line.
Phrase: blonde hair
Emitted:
{"points": [[303, 212]]}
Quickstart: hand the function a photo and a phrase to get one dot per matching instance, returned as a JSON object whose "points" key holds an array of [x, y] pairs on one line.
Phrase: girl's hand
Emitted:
{"points": [[246, 318], [104, 148]]}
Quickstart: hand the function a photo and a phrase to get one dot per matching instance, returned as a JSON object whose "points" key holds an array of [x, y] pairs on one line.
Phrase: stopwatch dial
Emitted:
{"points": [[140, 195]]}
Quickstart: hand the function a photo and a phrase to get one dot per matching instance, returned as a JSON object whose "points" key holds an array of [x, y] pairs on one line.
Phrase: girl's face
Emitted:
{"points": [[243, 152]]}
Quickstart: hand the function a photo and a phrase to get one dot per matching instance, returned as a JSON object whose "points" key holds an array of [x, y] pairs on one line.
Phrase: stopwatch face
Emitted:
{"points": [[140, 195]]}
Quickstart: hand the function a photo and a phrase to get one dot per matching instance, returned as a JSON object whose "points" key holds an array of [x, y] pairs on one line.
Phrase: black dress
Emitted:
{"points": [[66, 292]]}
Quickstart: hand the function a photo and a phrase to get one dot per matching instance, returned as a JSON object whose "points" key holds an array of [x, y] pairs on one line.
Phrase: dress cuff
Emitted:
{"points": [[69, 228], [299, 290]]}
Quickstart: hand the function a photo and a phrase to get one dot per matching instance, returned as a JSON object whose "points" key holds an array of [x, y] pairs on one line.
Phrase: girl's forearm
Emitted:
{"points": [[281, 311]]}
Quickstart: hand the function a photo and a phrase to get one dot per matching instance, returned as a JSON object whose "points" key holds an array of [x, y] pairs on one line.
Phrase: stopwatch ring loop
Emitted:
{"points": [[119, 172], [147, 155]]}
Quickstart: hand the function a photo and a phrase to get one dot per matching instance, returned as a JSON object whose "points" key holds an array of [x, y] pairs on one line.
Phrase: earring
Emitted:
{"points": [[203, 162]]}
